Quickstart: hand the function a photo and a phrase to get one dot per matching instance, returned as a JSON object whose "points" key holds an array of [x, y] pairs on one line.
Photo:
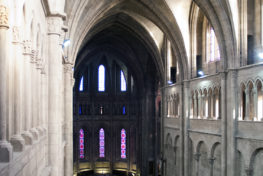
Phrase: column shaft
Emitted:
{"points": [[5, 147], [16, 140], [68, 99], [27, 93], [247, 104], [55, 82], [255, 99]]}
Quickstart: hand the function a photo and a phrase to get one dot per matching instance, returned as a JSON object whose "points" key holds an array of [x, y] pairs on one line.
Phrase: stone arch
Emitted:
{"points": [[202, 167], [215, 160], [256, 162], [240, 164], [190, 157], [168, 25], [169, 155], [177, 152], [223, 28], [200, 30]]}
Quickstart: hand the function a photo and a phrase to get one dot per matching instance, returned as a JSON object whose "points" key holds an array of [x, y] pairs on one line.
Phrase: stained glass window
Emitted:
{"points": [[102, 143], [80, 110], [123, 110], [101, 80], [81, 84], [123, 82], [81, 143], [123, 144]]}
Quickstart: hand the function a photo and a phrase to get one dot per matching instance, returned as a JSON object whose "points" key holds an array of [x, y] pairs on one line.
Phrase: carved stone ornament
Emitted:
{"points": [[54, 25], [33, 56], [16, 34], [27, 47], [68, 68], [3, 16]]}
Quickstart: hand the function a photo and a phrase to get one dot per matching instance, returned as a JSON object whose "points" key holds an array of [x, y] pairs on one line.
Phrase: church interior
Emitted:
{"points": [[131, 87]]}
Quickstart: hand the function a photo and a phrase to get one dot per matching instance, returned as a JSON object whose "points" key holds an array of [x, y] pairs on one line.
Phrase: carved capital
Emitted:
{"points": [[212, 160], [249, 172], [223, 75], [27, 47], [54, 25], [16, 34], [43, 69], [197, 156], [68, 68], [33, 56], [4, 17], [39, 63]]}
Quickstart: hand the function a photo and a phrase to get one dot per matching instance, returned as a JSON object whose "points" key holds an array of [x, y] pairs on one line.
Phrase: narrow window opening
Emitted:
{"points": [[102, 143], [123, 110], [123, 82], [101, 80], [81, 143], [123, 144], [80, 110], [81, 84]]}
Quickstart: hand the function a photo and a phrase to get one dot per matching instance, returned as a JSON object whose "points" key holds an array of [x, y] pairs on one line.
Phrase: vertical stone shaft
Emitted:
{"points": [[55, 75], [27, 93], [5, 147], [68, 83], [247, 104], [186, 110], [17, 141]]}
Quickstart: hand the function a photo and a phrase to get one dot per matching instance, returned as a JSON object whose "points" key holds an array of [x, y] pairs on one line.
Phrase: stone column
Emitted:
{"points": [[211, 162], [247, 104], [210, 105], [196, 106], [204, 99], [16, 140], [261, 14], [197, 159], [39, 93], [249, 172], [243, 31], [27, 92], [5, 147], [229, 108], [55, 96], [68, 99], [255, 103], [199, 106], [186, 116], [224, 122], [34, 106], [262, 101]]}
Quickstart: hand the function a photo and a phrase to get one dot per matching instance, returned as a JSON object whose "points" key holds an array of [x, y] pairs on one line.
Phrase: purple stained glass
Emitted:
{"points": [[123, 144], [102, 143], [81, 143]]}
